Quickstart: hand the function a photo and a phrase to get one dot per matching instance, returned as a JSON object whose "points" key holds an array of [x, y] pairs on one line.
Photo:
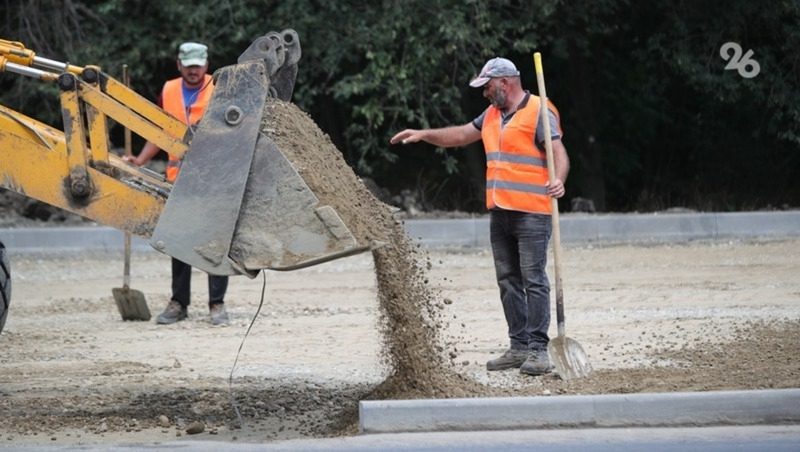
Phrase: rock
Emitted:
{"points": [[195, 428], [163, 421]]}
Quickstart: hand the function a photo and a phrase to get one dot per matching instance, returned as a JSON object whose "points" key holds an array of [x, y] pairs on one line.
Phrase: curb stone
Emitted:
{"points": [[474, 232], [751, 407]]}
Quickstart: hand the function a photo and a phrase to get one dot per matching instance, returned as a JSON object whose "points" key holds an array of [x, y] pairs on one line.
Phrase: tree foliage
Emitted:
{"points": [[651, 117]]}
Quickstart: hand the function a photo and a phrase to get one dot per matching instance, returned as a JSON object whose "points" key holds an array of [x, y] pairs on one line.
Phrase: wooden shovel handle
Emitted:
{"points": [[551, 173], [126, 79], [126, 270]]}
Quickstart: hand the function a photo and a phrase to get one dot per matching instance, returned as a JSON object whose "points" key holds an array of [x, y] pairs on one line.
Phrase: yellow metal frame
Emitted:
{"points": [[34, 161], [74, 169]]}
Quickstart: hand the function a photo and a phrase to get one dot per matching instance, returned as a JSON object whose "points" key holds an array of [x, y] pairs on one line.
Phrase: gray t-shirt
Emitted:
{"points": [[555, 129]]}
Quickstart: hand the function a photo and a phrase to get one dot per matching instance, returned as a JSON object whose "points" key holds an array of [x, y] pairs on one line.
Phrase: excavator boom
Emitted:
{"points": [[236, 190]]}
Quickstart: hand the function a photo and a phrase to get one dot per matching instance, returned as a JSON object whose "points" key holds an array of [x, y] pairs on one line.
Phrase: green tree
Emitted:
{"points": [[651, 117]]}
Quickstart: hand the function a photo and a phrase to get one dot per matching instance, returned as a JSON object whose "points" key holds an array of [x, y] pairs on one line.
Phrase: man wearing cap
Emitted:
{"points": [[186, 98], [518, 196]]}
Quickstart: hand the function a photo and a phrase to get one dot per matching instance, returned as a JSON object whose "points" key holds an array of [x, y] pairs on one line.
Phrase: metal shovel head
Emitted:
{"points": [[568, 358], [131, 303]]}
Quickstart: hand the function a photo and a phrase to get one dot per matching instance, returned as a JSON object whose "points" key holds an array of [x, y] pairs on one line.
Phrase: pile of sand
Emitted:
{"points": [[411, 312]]}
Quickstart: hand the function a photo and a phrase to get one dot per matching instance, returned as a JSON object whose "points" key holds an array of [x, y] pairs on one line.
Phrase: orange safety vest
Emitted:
{"points": [[172, 101], [516, 170]]}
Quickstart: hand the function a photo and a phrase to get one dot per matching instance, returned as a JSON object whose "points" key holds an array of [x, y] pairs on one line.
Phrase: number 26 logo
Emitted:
{"points": [[739, 62]]}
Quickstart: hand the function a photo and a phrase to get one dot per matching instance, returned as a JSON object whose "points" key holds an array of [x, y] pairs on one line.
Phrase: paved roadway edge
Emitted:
{"points": [[474, 232]]}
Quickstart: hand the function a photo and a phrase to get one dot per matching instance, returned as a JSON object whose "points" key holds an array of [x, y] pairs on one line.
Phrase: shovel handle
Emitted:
{"points": [[126, 79], [551, 174], [126, 270]]}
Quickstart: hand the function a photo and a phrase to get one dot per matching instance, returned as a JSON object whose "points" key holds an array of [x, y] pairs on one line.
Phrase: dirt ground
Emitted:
{"points": [[391, 324], [685, 317]]}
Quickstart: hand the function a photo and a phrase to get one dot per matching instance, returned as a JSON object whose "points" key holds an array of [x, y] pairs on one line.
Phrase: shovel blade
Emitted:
{"points": [[568, 357], [131, 303]]}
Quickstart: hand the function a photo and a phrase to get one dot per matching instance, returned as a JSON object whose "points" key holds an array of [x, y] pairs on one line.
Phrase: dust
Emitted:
{"points": [[412, 318]]}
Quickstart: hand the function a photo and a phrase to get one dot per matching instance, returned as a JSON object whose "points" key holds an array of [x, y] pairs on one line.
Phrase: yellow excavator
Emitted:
{"points": [[238, 206]]}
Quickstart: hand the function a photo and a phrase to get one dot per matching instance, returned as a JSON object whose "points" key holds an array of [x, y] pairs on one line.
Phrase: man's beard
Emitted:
{"points": [[498, 98], [193, 81]]}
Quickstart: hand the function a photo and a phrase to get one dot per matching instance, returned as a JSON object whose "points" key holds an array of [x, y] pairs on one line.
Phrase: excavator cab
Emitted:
{"points": [[239, 204]]}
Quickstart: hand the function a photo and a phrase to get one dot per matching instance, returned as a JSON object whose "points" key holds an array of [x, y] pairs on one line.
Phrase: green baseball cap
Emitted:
{"points": [[193, 54]]}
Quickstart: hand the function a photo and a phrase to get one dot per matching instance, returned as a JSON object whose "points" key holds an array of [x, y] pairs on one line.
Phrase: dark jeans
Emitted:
{"points": [[182, 284], [519, 245]]}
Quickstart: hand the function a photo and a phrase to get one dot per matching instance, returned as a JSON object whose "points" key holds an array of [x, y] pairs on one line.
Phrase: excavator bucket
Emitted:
{"points": [[239, 205]]}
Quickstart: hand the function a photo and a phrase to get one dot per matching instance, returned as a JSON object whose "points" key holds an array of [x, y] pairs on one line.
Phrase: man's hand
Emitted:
{"points": [[556, 189], [407, 136], [130, 159]]}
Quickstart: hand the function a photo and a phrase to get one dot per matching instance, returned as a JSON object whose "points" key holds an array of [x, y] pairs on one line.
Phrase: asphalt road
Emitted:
{"points": [[706, 439]]}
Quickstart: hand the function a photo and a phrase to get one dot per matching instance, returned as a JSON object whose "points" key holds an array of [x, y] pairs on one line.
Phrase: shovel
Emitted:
{"points": [[130, 302], [566, 354]]}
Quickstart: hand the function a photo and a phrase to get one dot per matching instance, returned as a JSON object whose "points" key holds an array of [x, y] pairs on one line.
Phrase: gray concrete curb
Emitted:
{"points": [[621, 228], [754, 407], [474, 232]]}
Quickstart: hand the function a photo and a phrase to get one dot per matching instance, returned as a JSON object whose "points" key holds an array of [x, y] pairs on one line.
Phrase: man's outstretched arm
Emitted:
{"points": [[446, 137]]}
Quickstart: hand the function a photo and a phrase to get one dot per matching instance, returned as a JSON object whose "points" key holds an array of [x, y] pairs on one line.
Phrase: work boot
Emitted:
{"points": [[510, 359], [219, 316], [538, 363], [174, 312]]}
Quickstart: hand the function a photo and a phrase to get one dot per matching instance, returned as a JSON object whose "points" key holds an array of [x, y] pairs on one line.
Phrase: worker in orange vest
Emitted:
{"points": [[518, 195], [186, 98]]}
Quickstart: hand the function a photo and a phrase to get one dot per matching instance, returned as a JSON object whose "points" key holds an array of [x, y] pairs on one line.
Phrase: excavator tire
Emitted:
{"points": [[5, 286]]}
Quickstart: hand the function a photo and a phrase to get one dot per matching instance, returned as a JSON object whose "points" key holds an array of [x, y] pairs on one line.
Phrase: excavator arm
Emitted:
{"points": [[73, 169], [236, 189]]}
